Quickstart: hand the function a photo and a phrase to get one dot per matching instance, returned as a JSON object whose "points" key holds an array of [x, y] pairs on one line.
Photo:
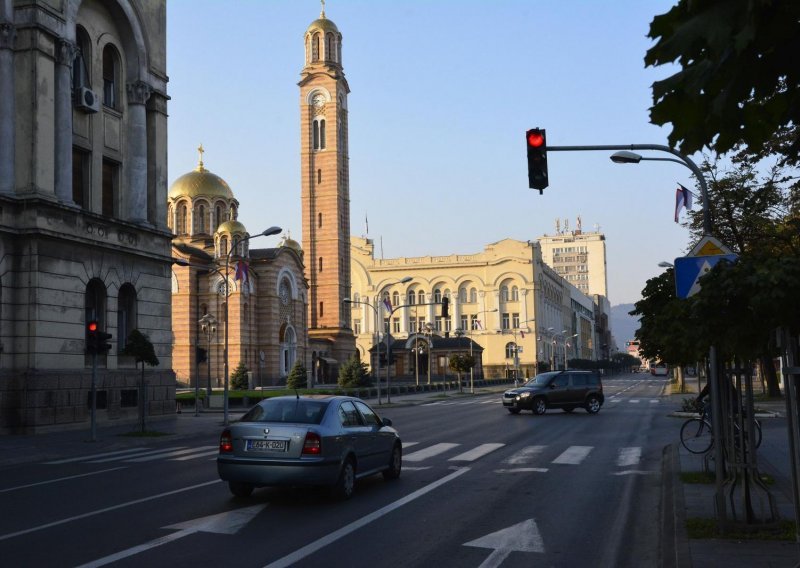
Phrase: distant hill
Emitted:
{"points": [[623, 326]]}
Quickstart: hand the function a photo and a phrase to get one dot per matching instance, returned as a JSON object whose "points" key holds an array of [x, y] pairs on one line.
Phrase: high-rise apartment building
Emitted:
{"points": [[578, 257]]}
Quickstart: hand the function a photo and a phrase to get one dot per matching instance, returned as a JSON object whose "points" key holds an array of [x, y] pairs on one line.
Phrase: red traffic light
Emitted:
{"points": [[535, 138], [92, 326]]}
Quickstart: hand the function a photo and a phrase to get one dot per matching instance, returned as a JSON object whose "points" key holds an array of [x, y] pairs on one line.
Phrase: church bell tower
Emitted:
{"points": [[325, 178]]}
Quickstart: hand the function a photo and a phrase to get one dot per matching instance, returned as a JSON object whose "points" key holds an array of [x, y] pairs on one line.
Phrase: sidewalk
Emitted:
{"points": [[696, 501]]}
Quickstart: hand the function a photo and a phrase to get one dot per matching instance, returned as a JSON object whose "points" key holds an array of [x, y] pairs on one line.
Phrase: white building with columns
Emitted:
{"points": [[83, 224]]}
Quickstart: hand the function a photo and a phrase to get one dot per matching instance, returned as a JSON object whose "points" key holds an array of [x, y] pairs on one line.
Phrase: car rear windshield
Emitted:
{"points": [[296, 411]]}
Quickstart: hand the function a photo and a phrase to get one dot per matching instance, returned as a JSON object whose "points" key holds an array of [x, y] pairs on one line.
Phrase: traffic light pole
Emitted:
{"points": [[94, 398]]}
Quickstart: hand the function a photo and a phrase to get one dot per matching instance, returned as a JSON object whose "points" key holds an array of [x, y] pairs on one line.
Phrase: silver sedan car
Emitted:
{"points": [[308, 440]]}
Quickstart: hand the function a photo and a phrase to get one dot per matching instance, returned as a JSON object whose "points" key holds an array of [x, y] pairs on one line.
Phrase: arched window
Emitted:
{"points": [[183, 213], [315, 48], [329, 46], [462, 295], [200, 220], [217, 219], [421, 297], [412, 297], [473, 295], [511, 349], [223, 247], [322, 134], [126, 314], [395, 299], [80, 71], [504, 293], [515, 294], [111, 73], [437, 296]]}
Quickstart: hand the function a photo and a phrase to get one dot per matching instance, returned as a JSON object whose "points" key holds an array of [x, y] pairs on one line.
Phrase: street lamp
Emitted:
{"points": [[565, 348], [208, 324], [236, 242], [665, 264]]}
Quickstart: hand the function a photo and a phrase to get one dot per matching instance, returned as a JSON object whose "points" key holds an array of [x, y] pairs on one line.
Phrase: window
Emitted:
{"points": [[318, 131], [515, 321], [315, 48], [412, 297], [126, 314], [319, 178], [386, 325], [320, 264], [348, 415], [463, 323], [462, 295], [111, 190], [504, 293], [515, 294], [412, 324], [437, 296], [329, 42], [506, 321], [474, 322], [369, 416], [200, 221], [217, 221], [111, 77], [448, 324], [395, 299], [357, 326], [80, 71], [437, 323], [321, 310], [473, 295], [420, 297], [396, 325], [511, 350]]}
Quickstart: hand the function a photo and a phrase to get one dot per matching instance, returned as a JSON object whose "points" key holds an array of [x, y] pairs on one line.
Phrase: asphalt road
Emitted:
{"points": [[480, 487]]}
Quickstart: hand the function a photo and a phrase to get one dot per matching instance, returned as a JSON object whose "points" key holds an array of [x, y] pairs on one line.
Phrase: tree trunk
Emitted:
{"points": [[768, 370]]}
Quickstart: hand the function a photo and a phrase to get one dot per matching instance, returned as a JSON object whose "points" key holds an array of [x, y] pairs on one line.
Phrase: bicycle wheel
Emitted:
{"points": [[696, 436]]}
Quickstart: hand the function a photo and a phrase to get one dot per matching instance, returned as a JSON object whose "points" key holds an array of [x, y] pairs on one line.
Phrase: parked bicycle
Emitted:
{"points": [[697, 436]]}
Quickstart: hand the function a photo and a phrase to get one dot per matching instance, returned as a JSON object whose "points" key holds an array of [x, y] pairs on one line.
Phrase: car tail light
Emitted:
{"points": [[226, 442], [312, 445]]}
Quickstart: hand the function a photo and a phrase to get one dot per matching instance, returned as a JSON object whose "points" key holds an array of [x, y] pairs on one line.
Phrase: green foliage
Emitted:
{"points": [[738, 78], [461, 362], [139, 347], [298, 376], [239, 379], [353, 373]]}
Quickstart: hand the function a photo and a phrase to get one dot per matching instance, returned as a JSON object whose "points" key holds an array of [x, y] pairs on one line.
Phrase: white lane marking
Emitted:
{"points": [[141, 453], [195, 456], [523, 470], [634, 401], [162, 455], [93, 456], [407, 445], [318, 544], [525, 455], [229, 522], [654, 401], [434, 450], [633, 472], [573, 455], [477, 453], [106, 510], [60, 479], [420, 468], [616, 400], [522, 537], [629, 456]]}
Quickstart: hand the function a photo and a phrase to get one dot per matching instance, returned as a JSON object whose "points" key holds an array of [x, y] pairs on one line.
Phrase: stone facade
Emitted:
{"points": [[502, 298], [83, 232], [325, 174]]}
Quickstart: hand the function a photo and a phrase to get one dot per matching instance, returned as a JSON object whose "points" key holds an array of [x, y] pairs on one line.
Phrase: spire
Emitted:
{"points": [[200, 151], [322, 13]]}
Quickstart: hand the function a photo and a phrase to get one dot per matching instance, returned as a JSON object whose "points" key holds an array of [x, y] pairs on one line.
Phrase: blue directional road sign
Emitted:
{"points": [[689, 269]]}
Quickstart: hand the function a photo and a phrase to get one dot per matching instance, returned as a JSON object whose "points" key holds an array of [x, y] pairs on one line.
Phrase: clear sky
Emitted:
{"points": [[442, 92]]}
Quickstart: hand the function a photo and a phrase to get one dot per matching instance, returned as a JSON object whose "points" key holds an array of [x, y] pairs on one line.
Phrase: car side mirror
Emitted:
{"points": [[387, 422]]}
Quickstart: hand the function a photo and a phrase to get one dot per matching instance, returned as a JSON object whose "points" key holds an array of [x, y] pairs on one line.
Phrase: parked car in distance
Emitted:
{"points": [[567, 390], [312, 440], [659, 369]]}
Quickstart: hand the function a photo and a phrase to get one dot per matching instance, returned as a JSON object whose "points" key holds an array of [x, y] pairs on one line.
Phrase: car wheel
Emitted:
{"points": [[395, 463], [346, 484], [592, 404], [568, 408], [513, 410], [240, 489], [539, 406]]}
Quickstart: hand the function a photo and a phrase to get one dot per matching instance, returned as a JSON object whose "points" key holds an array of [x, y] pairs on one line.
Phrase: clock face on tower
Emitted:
{"points": [[319, 100]]}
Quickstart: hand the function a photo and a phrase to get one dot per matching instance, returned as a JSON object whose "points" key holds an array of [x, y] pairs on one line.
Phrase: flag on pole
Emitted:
{"points": [[478, 324], [241, 271], [522, 334], [387, 304], [683, 198]]}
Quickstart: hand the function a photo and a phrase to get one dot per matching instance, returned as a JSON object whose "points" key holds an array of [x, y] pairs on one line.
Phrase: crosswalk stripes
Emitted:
{"points": [[527, 459]]}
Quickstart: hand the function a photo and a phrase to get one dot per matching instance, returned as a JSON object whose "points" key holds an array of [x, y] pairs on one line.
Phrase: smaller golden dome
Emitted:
{"points": [[200, 182], [289, 242], [232, 227]]}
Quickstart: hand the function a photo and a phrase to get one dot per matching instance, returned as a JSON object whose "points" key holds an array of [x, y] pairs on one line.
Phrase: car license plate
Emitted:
{"points": [[270, 445]]}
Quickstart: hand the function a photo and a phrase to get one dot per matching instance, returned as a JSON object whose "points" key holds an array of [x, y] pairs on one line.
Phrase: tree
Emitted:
{"points": [[298, 376], [739, 77], [461, 363], [353, 373], [239, 377], [139, 347]]}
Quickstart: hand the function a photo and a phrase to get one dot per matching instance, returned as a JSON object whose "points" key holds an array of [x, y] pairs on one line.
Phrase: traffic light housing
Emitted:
{"points": [[96, 340], [536, 140]]}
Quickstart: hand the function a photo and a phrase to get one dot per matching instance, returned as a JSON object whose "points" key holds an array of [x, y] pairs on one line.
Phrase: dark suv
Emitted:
{"points": [[557, 389]]}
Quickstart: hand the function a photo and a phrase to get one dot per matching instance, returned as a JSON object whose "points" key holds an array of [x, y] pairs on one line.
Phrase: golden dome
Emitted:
{"points": [[289, 242], [200, 182], [232, 227], [323, 24]]}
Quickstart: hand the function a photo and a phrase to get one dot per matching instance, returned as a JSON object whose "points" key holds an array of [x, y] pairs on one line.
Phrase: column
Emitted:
{"points": [[7, 130], [136, 160], [524, 315], [65, 54]]}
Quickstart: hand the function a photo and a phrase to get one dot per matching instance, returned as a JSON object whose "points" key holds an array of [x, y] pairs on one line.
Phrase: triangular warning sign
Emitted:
{"points": [[709, 246]]}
